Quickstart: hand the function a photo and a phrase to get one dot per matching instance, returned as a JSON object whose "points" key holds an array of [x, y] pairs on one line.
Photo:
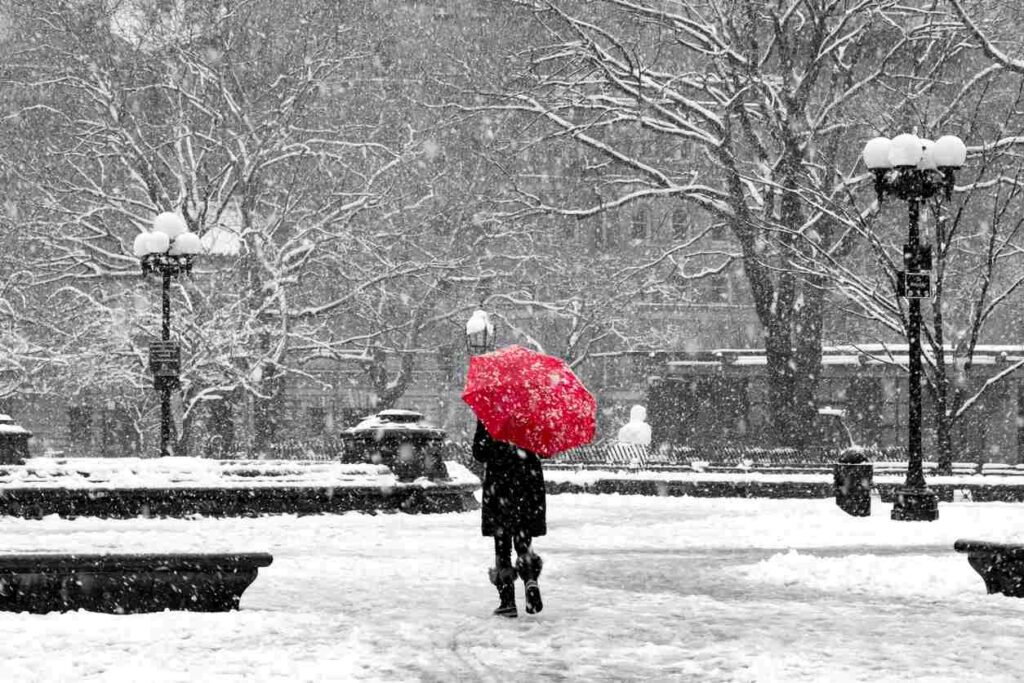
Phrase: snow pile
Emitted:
{"points": [[460, 475], [902, 575]]}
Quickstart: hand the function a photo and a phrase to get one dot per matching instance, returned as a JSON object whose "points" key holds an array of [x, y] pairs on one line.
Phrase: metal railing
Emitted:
{"points": [[889, 460]]}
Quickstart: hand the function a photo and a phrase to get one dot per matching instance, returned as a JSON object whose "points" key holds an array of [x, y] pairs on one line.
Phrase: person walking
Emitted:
{"points": [[513, 512]]}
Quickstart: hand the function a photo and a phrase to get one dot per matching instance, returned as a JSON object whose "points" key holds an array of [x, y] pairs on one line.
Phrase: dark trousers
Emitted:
{"points": [[503, 547]]}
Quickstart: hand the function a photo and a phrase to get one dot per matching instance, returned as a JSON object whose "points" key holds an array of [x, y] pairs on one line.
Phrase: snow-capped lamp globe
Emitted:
{"points": [[169, 248], [912, 167], [950, 153], [905, 151], [479, 333]]}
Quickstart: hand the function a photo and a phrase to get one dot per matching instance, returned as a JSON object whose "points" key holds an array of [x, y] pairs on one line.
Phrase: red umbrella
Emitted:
{"points": [[530, 399]]}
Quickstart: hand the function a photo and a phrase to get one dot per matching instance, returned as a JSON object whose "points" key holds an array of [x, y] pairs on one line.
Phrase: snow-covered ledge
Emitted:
{"points": [[179, 487]]}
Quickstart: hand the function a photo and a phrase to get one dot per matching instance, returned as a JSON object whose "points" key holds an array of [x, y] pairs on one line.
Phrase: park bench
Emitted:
{"points": [[126, 583]]}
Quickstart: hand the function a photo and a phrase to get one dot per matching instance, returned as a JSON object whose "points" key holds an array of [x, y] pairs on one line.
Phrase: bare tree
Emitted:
{"points": [[742, 112], [977, 241], [253, 122]]}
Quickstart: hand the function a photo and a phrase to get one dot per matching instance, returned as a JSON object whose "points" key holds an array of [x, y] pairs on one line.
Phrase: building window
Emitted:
{"points": [[638, 225], [80, 426], [316, 419], [569, 228], [679, 224], [447, 361], [443, 12], [739, 291], [718, 289], [601, 233]]}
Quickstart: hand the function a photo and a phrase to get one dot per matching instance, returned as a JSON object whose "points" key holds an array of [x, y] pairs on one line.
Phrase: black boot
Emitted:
{"points": [[529, 567], [505, 580]]}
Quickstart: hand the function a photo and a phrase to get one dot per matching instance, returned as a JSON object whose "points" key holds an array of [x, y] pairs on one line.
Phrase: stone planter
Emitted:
{"points": [[127, 583]]}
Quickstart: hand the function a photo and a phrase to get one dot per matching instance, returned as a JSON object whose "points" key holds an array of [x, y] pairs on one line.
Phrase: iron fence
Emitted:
{"points": [[889, 460]]}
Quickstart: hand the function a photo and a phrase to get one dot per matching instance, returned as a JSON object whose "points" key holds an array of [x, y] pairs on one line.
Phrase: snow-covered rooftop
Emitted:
{"points": [[833, 358], [8, 426]]}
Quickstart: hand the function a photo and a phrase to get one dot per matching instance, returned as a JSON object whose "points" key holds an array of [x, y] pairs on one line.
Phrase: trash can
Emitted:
{"points": [[853, 477], [13, 442], [400, 439]]}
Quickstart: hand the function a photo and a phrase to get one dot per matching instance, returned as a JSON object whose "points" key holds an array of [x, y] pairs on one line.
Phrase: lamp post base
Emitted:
{"points": [[915, 505]]}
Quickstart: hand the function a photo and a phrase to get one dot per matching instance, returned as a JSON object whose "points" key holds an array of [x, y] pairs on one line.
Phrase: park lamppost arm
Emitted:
{"points": [[168, 250], [914, 169]]}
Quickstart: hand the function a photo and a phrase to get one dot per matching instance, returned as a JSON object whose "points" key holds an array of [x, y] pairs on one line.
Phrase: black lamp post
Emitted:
{"points": [[479, 333], [168, 250], [914, 170]]}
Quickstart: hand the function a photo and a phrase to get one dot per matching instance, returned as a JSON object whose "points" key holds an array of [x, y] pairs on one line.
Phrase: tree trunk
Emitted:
{"points": [[944, 438], [807, 361], [389, 391], [781, 381], [267, 410], [792, 333], [223, 427], [943, 418]]}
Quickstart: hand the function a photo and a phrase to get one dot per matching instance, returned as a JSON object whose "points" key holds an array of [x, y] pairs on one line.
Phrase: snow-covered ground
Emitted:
{"points": [[635, 588]]}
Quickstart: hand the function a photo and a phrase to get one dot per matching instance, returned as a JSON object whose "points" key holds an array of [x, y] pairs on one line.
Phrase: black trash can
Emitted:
{"points": [[853, 477], [13, 442]]}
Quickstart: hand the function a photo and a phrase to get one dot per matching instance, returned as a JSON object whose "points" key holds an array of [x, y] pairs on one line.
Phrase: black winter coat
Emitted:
{"points": [[513, 487]]}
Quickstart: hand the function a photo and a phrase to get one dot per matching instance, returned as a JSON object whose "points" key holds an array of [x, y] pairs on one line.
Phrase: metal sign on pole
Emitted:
{"points": [[165, 363], [914, 285]]}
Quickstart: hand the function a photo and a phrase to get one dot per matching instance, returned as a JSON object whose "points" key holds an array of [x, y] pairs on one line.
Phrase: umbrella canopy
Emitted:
{"points": [[531, 400]]}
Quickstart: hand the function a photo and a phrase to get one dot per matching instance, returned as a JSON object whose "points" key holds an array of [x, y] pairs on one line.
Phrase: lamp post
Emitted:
{"points": [[914, 169], [168, 250], [479, 333]]}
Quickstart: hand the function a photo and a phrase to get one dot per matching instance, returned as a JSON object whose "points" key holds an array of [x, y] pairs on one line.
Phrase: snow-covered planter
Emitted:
{"points": [[400, 439]]}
